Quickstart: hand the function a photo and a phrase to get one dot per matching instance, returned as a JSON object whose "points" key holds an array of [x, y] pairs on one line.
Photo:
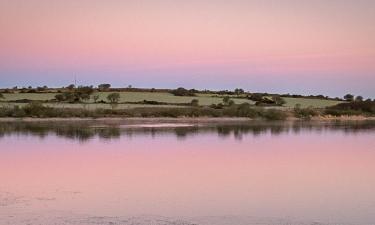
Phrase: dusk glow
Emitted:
{"points": [[309, 47]]}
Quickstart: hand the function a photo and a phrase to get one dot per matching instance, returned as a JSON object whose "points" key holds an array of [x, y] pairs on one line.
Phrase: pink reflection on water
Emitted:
{"points": [[325, 177]]}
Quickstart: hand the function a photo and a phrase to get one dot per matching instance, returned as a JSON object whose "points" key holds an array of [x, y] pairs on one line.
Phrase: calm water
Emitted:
{"points": [[184, 174]]}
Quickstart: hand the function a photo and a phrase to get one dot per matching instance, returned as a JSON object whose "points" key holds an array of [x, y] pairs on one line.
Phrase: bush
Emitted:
{"points": [[245, 110], [104, 87], [59, 97], [256, 97], [304, 113], [194, 102], [352, 108], [113, 97], [18, 112], [273, 114], [183, 92]]}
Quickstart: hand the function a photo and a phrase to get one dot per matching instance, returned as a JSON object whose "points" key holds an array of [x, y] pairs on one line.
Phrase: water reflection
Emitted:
{"points": [[219, 174], [85, 130]]}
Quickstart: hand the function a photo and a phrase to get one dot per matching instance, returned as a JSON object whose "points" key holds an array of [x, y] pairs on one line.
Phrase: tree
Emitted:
{"points": [[359, 98], [104, 87], [71, 87], [256, 97], [113, 98], [95, 98], [226, 100], [183, 92], [238, 91], [2, 96], [349, 97], [194, 102], [60, 97], [81, 90], [40, 88], [70, 97], [278, 100], [85, 97]]}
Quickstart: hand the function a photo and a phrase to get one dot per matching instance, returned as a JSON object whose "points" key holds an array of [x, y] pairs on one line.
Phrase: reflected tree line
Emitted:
{"points": [[85, 131]]}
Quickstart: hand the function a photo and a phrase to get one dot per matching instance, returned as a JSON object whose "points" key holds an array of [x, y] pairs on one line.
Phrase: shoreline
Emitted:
{"points": [[182, 119]]}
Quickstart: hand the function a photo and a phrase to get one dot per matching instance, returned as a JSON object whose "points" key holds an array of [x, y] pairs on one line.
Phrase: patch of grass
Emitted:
{"points": [[305, 102], [37, 109], [305, 113], [204, 99]]}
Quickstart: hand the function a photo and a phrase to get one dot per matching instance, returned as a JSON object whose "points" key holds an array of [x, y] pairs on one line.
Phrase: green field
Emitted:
{"points": [[306, 102], [89, 106], [131, 97], [204, 100]]}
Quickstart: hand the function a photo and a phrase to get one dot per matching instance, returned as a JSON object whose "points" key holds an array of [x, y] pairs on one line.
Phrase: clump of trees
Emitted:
{"points": [[41, 89], [304, 113], [227, 101], [359, 98], [266, 100], [256, 97], [352, 108], [194, 103], [183, 92], [239, 91], [82, 93], [104, 87], [349, 97], [71, 87], [113, 98], [95, 98]]}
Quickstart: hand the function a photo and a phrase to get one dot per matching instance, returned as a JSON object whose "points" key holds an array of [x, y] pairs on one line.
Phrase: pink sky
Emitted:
{"points": [[276, 46]]}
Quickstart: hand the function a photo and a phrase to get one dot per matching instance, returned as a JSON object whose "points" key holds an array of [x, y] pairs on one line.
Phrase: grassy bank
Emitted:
{"points": [[244, 110], [129, 99], [89, 102], [38, 110]]}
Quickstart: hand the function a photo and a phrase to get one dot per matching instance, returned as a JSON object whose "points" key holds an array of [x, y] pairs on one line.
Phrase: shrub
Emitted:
{"points": [[273, 114], [226, 100], [18, 112], [194, 102], [95, 98], [113, 97], [60, 97], [278, 100], [352, 108], [245, 110], [183, 92], [304, 113], [349, 97], [104, 87], [256, 97]]}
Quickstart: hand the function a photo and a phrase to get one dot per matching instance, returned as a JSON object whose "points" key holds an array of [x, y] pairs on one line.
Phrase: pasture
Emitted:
{"points": [[126, 98], [307, 102], [204, 99]]}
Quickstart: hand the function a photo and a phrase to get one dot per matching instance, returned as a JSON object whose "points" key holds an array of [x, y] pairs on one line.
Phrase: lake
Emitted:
{"points": [[98, 172]]}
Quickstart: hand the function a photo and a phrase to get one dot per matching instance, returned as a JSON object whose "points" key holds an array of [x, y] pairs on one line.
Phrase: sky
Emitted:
{"points": [[284, 46]]}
